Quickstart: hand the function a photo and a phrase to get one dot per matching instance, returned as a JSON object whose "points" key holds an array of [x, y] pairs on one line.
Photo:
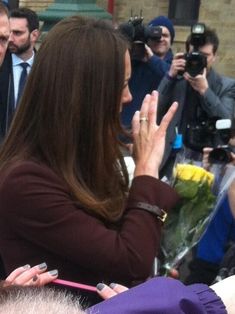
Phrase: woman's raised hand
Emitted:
{"points": [[149, 138]]}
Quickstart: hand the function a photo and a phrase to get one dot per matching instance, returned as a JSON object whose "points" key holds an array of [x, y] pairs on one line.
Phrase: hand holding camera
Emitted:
{"points": [[222, 153], [193, 61], [199, 83], [148, 53], [138, 34], [177, 65]]}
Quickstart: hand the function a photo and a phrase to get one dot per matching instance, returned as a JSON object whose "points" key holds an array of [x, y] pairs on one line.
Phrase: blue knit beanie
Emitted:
{"points": [[164, 21]]}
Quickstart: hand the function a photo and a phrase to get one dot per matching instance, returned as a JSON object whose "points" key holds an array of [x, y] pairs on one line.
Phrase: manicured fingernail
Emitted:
{"points": [[53, 272], [100, 286], [42, 266], [27, 266], [112, 285], [35, 278]]}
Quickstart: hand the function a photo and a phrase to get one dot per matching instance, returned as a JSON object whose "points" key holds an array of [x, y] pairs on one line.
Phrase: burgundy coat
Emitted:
{"points": [[39, 222]]}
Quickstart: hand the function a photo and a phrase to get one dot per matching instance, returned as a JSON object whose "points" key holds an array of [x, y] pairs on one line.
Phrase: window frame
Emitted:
{"points": [[194, 10]]}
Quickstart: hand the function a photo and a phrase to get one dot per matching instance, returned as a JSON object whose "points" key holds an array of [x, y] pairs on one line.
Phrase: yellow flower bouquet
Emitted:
{"points": [[186, 223]]}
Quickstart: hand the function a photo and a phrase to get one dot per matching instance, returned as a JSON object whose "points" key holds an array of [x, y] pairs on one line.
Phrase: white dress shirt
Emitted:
{"points": [[17, 69]]}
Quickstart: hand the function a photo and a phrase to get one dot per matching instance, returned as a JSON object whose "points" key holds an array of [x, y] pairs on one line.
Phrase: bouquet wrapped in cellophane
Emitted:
{"points": [[187, 221]]}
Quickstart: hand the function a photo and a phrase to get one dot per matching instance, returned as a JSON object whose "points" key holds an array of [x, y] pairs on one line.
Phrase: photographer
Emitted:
{"points": [[203, 97], [148, 71]]}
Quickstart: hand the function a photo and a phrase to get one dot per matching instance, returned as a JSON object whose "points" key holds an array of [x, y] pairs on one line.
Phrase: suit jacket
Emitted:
{"points": [[6, 95], [218, 101]]}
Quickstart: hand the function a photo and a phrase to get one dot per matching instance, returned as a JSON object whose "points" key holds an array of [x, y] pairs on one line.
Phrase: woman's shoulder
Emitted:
{"points": [[25, 172]]}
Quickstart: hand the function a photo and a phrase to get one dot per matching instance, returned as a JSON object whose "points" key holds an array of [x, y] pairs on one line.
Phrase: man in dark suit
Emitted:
{"points": [[24, 32], [202, 98]]}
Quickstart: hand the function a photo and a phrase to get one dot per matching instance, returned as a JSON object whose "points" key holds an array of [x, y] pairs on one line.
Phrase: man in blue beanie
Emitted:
{"points": [[167, 29], [147, 73]]}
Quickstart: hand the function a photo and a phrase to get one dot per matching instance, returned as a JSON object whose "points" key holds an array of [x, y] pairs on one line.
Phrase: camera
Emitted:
{"points": [[201, 134], [222, 153], [195, 60], [213, 132], [138, 34]]}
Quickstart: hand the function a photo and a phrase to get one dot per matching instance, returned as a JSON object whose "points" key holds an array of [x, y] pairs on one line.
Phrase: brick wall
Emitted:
{"points": [[217, 14], [37, 5], [150, 8]]}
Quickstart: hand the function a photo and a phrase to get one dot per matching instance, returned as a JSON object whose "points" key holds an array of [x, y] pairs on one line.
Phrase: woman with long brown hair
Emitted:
{"points": [[64, 196]]}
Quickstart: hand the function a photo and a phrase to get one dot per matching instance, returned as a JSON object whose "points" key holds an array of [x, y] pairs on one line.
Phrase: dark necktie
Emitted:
{"points": [[22, 81]]}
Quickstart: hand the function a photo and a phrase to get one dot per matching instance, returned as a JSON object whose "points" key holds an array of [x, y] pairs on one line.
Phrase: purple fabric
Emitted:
{"points": [[163, 295]]}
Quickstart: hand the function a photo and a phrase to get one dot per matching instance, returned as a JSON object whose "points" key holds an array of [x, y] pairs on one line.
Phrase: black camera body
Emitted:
{"points": [[138, 34], [222, 154], [202, 134], [195, 60], [195, 63], [214, 133]]}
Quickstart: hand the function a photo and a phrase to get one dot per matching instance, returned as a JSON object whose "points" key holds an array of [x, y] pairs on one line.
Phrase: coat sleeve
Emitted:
{"points": [[37, 207], [163, 295], [158, 66]]}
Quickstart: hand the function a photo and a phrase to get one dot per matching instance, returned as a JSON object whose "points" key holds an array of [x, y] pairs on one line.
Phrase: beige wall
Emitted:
{"points": [[36, 5], [217, 14]]}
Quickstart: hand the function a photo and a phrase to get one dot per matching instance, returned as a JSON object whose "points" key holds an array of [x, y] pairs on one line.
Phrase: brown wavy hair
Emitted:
{"points": [[68, 117]]}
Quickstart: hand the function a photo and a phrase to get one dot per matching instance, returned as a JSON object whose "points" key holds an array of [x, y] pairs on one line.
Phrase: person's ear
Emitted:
{"points": [[215, 57], [34, 35]]}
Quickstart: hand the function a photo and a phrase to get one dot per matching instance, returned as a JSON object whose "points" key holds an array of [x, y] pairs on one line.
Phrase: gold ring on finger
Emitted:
{"points": [[143, 119]]}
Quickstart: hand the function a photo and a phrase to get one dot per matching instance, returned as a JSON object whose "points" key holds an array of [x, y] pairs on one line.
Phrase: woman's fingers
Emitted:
{"points": [[149, 138], [145, 106], [44, 278], [31, 276], [167, 118], [130, 148], [107, 292], [28, 274], [118, 288], [17, 272], [152, 116], [136, 124], [147, 116]]}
